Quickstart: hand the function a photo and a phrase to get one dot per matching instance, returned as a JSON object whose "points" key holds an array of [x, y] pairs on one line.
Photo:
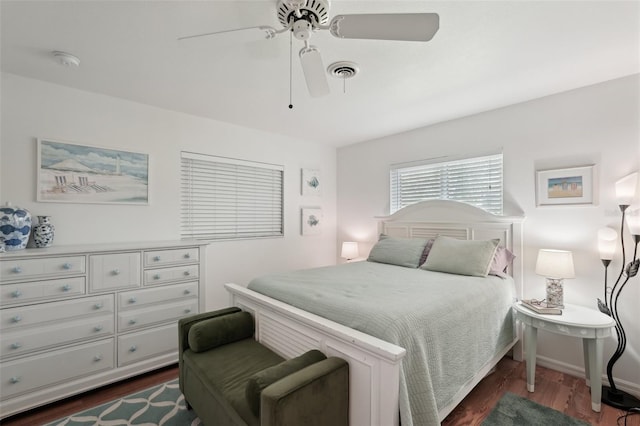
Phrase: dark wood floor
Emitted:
{"points": [[557, 390]]}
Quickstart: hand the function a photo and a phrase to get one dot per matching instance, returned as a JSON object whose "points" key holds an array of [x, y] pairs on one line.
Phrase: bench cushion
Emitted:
{"points": [[216, 380], [218, 331], [264, 378]]}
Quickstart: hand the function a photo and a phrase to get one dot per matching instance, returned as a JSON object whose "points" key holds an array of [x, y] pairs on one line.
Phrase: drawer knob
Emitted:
{"points": [[16, 293], [66, 287], [115, 272], [187, 291], [132, 321], [97, 328], [15, 380], [67, 266], [132, 300], [186, 311], [16, 345], [97, 358], [187, 273], [133, 348], [98, 305], [187, 256], [16, 318], [156, 258], [156, 277], [17, 269]]}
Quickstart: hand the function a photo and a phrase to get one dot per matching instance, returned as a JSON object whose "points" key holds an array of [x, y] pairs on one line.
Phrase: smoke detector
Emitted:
{"points": [[66, 59]]}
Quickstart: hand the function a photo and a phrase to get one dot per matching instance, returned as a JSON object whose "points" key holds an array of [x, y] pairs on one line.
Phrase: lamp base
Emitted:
{"points": [[619, 399]]}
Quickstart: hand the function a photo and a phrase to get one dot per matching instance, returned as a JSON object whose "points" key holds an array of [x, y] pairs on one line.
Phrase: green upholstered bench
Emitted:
{"points": [[229, 378]]}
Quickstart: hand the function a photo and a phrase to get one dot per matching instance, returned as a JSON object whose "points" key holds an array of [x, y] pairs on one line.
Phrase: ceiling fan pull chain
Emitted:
{"points": [[290, 69]]}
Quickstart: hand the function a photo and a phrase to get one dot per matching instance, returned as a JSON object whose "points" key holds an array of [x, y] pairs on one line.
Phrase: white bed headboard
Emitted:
{"points": [[429, 219]]}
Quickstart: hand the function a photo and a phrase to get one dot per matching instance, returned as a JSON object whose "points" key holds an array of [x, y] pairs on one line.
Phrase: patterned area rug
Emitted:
{"points": [[513, 410], [162, 405]]}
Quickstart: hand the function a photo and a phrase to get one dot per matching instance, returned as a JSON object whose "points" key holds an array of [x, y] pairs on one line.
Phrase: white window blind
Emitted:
{"points": [[477, 181], [224, 198]]}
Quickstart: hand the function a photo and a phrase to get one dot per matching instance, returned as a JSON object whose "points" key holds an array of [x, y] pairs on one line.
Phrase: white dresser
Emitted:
{"points": [[77, 317]]}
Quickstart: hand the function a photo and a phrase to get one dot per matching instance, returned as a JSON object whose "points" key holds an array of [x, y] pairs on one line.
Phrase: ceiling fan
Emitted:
{"points": [[303, 17]]}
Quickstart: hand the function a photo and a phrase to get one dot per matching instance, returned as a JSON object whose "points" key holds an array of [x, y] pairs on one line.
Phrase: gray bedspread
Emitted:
{"points": [[450, 325]]}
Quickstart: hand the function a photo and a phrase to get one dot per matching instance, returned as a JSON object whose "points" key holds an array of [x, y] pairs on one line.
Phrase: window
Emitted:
{"points": [[224, 198], [477, 181]]}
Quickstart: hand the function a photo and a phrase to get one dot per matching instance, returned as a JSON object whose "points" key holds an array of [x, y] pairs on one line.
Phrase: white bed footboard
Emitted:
{"points": [[374, 365]]}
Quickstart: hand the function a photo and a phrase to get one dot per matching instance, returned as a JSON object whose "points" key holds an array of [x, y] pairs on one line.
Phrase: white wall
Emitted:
{"points": [[594, 125], [33, 109]]}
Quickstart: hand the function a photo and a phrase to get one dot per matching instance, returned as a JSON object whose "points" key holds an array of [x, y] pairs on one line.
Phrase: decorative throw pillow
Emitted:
{"points": [[462, 257], [398, 251], [501, 261], [426, 251], [218, 331], [259, 381]]}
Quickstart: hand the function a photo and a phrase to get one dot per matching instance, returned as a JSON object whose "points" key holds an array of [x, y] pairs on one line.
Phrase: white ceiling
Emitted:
{"points": [[486, 55]]}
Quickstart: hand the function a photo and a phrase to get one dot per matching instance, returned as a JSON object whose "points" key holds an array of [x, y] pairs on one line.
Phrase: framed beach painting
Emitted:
{"points": [[571, 186], [73, 173]]}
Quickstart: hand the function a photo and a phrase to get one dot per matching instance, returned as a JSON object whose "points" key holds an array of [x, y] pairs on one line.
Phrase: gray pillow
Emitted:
{"points": [[462, 257], [398, 251]]}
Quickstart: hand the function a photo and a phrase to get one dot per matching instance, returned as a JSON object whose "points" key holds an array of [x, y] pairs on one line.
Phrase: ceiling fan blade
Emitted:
{"points": [[314, 72], [387, 26], [267, 31]]}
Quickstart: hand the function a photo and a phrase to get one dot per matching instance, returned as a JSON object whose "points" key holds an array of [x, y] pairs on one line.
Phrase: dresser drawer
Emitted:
{"points": [[132, 299], [146, 344], [20, 269], [30, 373], [18, 293], [135, 318], [28, 339], [164, 275], [44, 313], [168, 257], [113, 271]]}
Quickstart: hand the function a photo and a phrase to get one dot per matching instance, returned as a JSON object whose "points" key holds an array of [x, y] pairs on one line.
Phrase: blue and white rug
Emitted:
{"points": [[161, 405]]}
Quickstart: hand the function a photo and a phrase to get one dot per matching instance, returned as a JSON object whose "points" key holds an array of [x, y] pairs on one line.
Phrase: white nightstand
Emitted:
{"points": [[576, 321]]}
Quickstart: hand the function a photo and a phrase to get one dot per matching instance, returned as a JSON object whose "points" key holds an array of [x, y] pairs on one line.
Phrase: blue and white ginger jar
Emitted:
{"points": [[15, 227], [43, 232]]}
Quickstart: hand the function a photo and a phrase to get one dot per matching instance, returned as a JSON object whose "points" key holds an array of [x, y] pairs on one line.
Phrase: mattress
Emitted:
{"points": [[450, 325]]}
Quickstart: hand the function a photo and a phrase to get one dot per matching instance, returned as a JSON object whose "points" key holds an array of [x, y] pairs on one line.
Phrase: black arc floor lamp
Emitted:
{"points": [[607, 239]]}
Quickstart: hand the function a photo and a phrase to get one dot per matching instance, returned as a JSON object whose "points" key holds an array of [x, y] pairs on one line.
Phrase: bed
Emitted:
{"points": [[419, 375]]}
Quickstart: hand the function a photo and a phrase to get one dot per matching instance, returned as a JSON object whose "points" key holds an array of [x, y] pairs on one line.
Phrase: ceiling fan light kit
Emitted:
{"points": [[303, 17]]}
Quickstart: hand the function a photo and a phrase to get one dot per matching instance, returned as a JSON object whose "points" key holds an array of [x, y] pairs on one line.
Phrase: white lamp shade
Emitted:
{"points": [[555, 264], [607, 239], [626, 189], [633, 220], [349, 250]]}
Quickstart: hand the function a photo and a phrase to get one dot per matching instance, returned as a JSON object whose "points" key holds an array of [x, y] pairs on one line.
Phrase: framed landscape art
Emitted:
{"points": [[572, 186], [72, 173]]}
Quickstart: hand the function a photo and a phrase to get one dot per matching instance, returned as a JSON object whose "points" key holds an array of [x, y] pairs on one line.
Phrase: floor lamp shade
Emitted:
{"points": [[607, 243], [626, 189]]}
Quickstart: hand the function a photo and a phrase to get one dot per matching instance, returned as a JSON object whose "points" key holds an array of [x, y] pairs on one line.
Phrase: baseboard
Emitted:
{"points": [[574, 370]]}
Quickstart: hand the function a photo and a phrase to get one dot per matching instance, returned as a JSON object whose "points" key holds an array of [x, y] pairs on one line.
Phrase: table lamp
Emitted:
{"points": [[555, 266], [349, 250]]}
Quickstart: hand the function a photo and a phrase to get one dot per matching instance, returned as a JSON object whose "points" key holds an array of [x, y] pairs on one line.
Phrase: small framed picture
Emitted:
{"points": [[571, 186], [311, 221], [311, 182]]}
